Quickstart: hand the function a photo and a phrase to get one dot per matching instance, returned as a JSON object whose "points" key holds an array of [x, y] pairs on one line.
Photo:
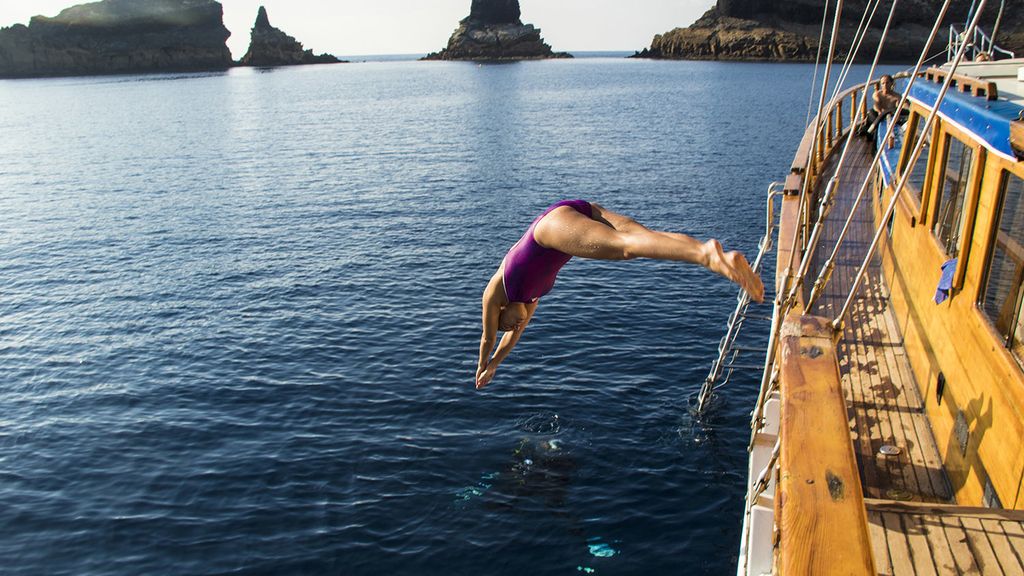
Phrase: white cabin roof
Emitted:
{"points": [[1007, 74]]}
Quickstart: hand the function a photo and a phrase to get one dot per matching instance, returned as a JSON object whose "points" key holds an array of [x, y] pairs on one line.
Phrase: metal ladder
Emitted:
{"points": [[728, 352]]}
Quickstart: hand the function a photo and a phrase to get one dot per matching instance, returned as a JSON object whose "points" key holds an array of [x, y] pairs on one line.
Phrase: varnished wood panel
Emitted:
{"points": [[820, 511], [789, 217], [1017, 136], [956, 339]]}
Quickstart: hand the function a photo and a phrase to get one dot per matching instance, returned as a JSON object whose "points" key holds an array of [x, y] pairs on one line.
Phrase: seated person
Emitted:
{"points": [[885, 100]]}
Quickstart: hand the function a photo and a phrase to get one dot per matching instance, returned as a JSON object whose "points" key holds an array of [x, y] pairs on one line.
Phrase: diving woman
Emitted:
{"points": [[585, 229]]}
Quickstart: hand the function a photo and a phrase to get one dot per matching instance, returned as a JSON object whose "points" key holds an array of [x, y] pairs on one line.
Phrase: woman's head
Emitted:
{"points": [[513, 316]]}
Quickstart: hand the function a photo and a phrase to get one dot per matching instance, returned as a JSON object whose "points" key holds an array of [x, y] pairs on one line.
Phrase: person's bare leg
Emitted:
{"points": [[624, 223], [616, 237]]}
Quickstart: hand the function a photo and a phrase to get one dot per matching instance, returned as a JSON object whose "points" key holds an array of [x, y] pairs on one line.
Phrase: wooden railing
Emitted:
{"points": [[820, 512], [966, 84]]}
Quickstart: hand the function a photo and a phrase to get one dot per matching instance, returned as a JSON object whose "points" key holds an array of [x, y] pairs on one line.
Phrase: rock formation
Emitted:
{"points": [[118, 36], [493, 31], [270, 46], [789, 30]]}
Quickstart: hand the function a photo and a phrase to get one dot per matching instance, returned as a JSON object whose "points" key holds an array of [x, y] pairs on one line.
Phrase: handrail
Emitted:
{"points": [[788, 297], [819, 509], [974, 86], [725, 346], [977, 44], [826, 271]]}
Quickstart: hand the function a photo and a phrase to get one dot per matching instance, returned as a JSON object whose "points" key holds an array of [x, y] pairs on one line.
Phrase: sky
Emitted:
{"points": [[355, 27]]}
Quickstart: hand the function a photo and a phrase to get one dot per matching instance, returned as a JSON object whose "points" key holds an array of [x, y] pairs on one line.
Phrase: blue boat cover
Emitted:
{"points": [[988, 119]]}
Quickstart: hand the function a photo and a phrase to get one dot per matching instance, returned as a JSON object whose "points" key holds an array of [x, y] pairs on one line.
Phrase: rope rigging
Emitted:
{"points": [[805, 241], [825, 273], [918, 147], [786, 297], [817, 62]]}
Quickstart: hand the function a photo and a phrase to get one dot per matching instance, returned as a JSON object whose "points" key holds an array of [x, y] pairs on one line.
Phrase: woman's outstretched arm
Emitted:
{"points": [[491, 310], [485, 372], [491, 304]]}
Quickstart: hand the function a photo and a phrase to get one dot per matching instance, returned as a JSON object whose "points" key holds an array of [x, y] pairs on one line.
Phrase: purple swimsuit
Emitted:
{"points": [[530, 269]]}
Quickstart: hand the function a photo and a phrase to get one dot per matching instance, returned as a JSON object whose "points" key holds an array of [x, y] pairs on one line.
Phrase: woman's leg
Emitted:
{"points": [[624, 223], [622, 238], [611, 236]]}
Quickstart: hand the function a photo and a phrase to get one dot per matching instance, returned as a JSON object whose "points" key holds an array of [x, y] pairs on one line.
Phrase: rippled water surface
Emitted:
{"points": [[239, 318]]}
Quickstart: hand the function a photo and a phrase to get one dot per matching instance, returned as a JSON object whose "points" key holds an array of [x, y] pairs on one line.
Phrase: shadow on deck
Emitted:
{"points": [[883, 400]]}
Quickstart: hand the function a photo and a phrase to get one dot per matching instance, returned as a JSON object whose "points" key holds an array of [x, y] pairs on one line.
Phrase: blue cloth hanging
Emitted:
{"points": [[945, 281]]}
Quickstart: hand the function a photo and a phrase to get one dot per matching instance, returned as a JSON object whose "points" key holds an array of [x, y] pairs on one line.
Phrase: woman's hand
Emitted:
{"points": [[735, 267], [484, 375]]}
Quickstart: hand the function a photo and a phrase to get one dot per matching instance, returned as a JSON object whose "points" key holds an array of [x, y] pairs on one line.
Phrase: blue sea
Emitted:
{"points": [[240, 314]]}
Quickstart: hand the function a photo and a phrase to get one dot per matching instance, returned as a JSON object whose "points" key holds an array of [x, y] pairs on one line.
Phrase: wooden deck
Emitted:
{"points": [[883, 403], [926, 539]]}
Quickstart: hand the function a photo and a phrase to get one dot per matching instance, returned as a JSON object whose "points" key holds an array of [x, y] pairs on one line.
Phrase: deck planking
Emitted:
{"points": [[883, 402], [923, 539]]}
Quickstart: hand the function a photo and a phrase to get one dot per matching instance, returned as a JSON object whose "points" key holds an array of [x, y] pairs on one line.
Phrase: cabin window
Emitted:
{"points": [[956, 177], [915, 182], [1001, 290]]}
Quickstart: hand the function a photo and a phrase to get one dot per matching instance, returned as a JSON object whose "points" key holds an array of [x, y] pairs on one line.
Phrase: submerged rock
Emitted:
{"points": [[270, 46], [788, 30], [493, 31], [118, 36]]}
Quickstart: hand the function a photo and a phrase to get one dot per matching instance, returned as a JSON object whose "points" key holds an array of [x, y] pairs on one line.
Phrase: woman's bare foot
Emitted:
{"points": [[734, 266]]}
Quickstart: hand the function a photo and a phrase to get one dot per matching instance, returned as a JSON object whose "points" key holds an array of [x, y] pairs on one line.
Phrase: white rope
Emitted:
{"points": [[995, 28], [817, 61], [784, 299], [780, 304], [858, 38], [832, 185], [826, 270], [828, 64], [906, 173]]}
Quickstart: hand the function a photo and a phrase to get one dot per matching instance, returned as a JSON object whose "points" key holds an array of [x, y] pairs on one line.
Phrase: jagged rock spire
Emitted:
{"points": [[495, 12], [272, 47], [493, 31], [262, 20]]}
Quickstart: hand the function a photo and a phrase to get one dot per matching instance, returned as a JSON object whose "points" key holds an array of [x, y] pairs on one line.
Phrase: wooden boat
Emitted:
{"points": [[888, 437]]}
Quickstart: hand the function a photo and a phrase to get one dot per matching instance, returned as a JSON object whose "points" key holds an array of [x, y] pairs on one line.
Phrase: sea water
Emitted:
{"points": [[240, 313]]}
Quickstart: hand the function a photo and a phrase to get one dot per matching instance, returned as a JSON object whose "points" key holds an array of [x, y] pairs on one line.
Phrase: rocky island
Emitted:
{"points": [[118, 36], [493, 31], [788, 30], [270, 46]]}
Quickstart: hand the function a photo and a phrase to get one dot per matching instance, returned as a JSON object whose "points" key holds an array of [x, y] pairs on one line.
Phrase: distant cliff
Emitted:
{"points": [[270, 46], [493, 31], [118, 36], [788, 30]]}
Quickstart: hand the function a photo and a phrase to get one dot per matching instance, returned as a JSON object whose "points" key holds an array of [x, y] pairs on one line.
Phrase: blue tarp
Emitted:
{"points": [[988, 119]]}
